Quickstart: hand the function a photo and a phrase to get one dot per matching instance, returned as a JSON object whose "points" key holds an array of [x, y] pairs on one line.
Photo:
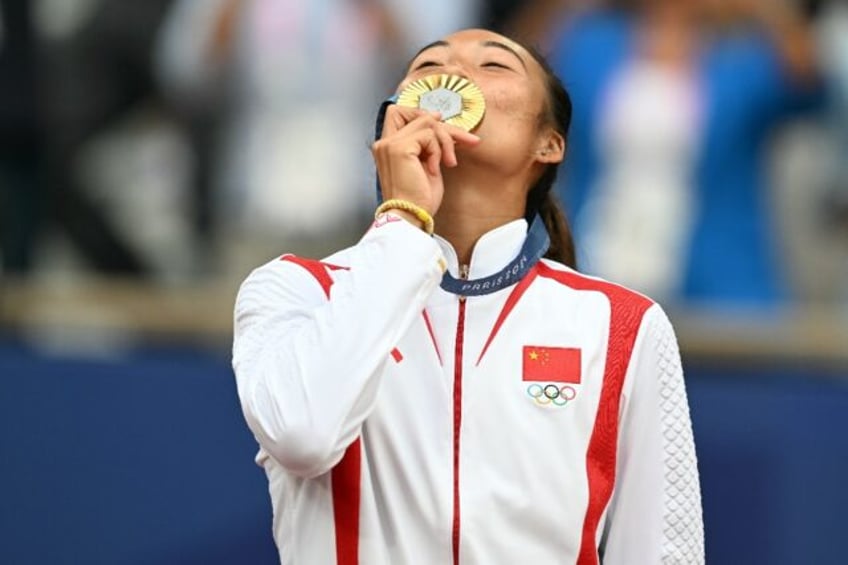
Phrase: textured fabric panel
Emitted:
{"points": [[683, 526]]}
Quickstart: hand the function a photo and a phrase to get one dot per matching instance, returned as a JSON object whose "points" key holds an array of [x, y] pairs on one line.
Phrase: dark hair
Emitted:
{"points": [[541, 198]]}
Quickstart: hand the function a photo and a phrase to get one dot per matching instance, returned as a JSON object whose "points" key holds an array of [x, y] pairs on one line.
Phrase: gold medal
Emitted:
{"points": [[459, 100]]}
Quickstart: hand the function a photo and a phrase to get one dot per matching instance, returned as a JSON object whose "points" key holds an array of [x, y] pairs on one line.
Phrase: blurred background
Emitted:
{"points": [[152, 153]]}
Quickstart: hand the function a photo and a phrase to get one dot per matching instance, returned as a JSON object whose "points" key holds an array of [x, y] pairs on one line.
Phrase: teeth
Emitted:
{"points": [[458, 99]]}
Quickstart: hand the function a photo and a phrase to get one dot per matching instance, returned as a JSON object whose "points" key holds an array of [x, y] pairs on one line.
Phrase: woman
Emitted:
{"points": [[538, 417], [707, 221]]}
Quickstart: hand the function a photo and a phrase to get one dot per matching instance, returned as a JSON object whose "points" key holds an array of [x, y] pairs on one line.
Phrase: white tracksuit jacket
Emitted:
{"points": [[544, 423]]}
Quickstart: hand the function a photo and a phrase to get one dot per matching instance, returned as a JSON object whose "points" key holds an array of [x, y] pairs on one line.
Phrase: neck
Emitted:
{"points": [[470, 208]]}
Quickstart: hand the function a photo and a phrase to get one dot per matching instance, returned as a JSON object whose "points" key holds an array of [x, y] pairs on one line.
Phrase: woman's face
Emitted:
{"points": [[512, 82]]}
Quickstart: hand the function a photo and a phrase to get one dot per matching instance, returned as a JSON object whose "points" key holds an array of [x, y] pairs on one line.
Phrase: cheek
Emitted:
{"points": [[519, 109], [509, 127]]}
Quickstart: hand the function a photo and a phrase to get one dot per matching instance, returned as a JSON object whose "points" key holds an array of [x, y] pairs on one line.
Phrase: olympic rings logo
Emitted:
{"points": [[551, 394]]}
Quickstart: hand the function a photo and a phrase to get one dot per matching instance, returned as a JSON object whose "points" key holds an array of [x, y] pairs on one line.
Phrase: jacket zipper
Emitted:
{"points": [[457, 414]]}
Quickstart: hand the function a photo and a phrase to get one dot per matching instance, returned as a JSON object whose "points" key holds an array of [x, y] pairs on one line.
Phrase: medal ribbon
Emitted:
{"points": [[535, 246], [378, 133]]}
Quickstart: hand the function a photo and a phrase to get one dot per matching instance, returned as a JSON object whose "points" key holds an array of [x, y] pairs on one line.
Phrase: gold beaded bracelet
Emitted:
{"points": [[407, 206]]}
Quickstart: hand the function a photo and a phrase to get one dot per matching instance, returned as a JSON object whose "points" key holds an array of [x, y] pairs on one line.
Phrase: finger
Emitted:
{"points": [[447, 144], [446, 134], [433, 161], [425, 120], [449, 136], [459, 135], [432, 123], [429, 150], [397, 117], [422, 145]]}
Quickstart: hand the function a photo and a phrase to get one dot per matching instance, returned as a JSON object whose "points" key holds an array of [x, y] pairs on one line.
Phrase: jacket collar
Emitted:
{"points": [[492, 251]]}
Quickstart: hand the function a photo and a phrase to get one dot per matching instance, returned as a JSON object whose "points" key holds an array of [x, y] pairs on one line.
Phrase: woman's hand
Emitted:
{"points": [[409, 155]]}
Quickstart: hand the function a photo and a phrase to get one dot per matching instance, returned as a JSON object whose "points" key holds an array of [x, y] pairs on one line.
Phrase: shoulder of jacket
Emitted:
{"points": [[621, 298], [290, 272]]}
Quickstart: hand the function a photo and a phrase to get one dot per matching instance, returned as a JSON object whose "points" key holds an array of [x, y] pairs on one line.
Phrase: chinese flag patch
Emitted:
{"points": [[551, 364]]}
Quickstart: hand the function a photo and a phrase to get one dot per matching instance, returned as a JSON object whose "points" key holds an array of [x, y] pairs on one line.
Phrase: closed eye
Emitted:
{"points": [[426, 64], [497, 65]]}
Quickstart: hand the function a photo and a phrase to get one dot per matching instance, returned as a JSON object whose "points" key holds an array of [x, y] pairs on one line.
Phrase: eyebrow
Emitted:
{"points": [[488, 43], [505, 47]]}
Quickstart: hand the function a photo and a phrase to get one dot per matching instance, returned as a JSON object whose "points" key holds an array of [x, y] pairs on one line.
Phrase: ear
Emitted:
{"points": [[551, 147]]}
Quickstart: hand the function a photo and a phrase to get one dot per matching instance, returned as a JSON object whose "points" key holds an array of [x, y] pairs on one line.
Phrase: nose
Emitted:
{"points": [[457, 67]]}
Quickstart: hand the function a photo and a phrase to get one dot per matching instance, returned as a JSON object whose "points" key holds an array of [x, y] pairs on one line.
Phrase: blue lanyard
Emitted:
{"points": [[378, 133], [534, 248]]}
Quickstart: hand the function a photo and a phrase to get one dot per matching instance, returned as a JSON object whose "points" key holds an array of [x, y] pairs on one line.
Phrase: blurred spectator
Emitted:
{"points": [[20, 191], [94, 73], [99, 170], [810, 170], [833, 28], [499, 14], [273, 86], [674, 103], [419, 22], [288, 81], [75, 72]]}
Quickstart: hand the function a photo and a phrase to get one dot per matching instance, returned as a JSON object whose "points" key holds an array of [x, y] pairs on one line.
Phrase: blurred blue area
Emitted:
{"points": [[146, 460], [773, 461]]}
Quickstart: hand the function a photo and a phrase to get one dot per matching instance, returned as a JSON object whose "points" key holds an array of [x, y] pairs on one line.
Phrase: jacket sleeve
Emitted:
{"points": [[308, 368], [655, 512]]}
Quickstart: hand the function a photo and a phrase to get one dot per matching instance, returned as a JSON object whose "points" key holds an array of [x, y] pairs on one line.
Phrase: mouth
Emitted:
{"points": [[459, 101]]}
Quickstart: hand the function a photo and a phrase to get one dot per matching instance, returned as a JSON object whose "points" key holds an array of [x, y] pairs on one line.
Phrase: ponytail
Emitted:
{"points": [[540, 199], [562, 244]]}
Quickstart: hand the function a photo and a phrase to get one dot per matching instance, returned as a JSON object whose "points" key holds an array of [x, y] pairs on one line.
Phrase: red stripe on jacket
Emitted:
{"points": [[627, 309], [346, 476]]}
